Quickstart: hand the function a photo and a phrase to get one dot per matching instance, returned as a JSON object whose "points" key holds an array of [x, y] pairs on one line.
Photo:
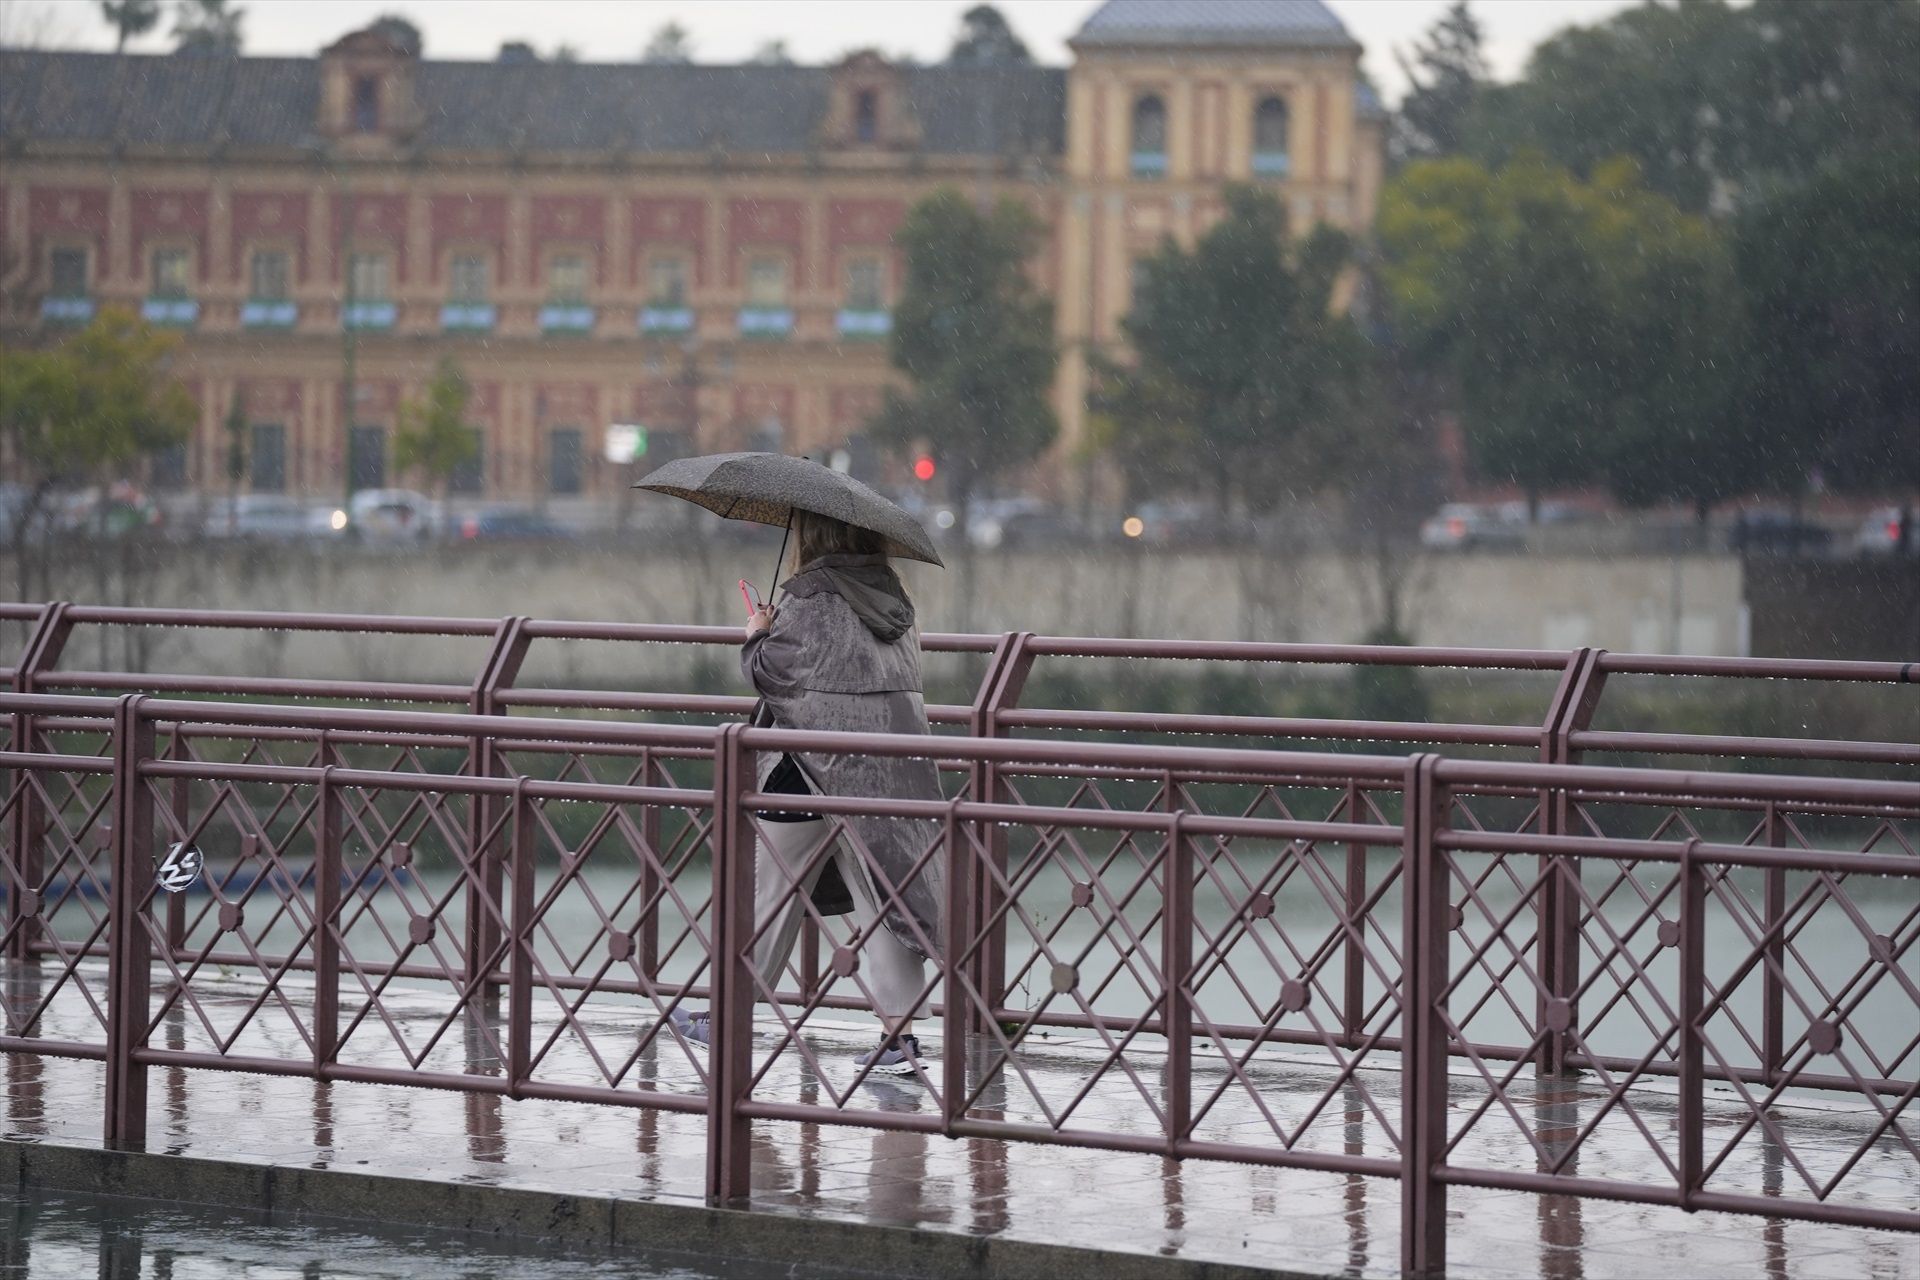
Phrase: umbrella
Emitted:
{"points": [[767, 488]]}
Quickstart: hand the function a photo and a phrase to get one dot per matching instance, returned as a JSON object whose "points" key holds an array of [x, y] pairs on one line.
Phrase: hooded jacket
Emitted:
{"points": [[843, 655]]}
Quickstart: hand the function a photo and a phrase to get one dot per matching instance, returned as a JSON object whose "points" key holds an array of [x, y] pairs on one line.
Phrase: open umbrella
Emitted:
{"points": [[767, 488]]}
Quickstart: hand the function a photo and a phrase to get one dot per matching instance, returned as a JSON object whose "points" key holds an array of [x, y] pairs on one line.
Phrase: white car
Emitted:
{"points": [[268, 517], [392, 517], [1879, 534]]}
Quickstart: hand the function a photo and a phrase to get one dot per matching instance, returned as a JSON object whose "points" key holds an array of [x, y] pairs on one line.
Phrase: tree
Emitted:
{"points": [[1237, 349], [130, 18], [986, 40], [670, 45], [565, 54], [400, 32], [1830, 271], [1447, 71], [207, 27], [974, 337], [1712, 99], [517, 52], [86, 412], [1588, 328], [432, 436], [772, 54]]}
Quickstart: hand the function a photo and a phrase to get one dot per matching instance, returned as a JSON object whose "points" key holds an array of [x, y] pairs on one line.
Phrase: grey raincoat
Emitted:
{"points": [[843, 655]]}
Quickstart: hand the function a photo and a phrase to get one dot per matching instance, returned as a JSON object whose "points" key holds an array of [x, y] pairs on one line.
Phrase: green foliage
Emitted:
{"points": [[130, 18], [207, 27], [1447, 73], [1711, 99], [975, 339], [91, 409], [1238, 355], [985, 40], [432, 436], [1831, 270], [670, 45], [1591, 327]]}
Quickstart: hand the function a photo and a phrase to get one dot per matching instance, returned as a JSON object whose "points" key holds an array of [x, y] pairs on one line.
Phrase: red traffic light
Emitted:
{"points": [[923, 468]]}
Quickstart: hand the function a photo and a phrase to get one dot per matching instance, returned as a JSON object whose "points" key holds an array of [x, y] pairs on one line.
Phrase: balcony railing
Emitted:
{"points": [[269, 313], [566, 318], [864, 322], [766, 322], [174, 313], [369, 316], [1272, 164], [665, 319], [69, 310], [1149, 164], [468, 317]]}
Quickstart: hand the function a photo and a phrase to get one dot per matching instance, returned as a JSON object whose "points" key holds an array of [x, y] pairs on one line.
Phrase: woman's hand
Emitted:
{"points": [[759, 620]]}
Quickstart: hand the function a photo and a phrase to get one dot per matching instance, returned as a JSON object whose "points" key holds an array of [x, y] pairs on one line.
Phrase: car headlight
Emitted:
{"points": [[337, 521]]}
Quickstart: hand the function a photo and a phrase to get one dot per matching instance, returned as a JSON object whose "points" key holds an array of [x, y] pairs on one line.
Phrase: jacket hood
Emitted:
{"points": [[869, 586]]}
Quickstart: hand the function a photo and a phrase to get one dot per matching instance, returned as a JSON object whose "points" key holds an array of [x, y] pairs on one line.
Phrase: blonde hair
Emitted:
{"points": [[815, 535]]}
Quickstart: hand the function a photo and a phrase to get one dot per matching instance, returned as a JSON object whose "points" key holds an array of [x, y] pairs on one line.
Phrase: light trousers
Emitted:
{"points": [[892, 973]]}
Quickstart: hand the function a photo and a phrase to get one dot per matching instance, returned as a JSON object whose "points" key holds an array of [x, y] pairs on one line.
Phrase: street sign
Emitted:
{"points": [[180, 869], [626, 441]]}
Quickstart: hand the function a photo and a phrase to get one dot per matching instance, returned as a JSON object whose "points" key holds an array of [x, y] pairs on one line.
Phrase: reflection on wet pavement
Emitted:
{"points": [[1204, 1210]]}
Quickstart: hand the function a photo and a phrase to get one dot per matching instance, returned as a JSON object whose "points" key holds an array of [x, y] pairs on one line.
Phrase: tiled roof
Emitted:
{"points": [[189, 101], [1285, 22]]}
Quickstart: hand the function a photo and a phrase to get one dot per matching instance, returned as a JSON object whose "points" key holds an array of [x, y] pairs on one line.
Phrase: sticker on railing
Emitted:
{"points": [[180, 869]]}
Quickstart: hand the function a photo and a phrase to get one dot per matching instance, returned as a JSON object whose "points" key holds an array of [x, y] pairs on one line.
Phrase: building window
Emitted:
{"points": [[866, 116], [366, 104], [367, 457], [1139, 272], [1149, 137], [1270, 159], [567, 279], [863, 309], [766, 283], [69, 273], [667, 282], [268, 276], [368, 277], [169, 467], [564, 458], [469, 477], [467, 279], [170, 268], [267, 458]]}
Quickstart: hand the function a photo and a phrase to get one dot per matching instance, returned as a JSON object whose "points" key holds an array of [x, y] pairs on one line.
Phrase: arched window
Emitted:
{"points": [[866, 116], [1149, 137], [1270, 139]]}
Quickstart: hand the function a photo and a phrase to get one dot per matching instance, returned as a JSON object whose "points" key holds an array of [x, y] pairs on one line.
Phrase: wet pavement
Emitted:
{"points": [[1311, 1222]]}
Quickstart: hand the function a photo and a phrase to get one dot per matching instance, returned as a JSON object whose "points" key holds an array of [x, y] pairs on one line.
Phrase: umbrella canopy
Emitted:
{"points": [[767, 488]]}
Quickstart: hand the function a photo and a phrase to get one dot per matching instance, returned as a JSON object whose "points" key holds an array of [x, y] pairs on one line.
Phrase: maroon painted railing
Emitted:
{"points": [[1376, 928]]}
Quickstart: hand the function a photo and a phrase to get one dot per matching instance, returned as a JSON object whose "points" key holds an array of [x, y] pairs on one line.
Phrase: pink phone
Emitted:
{"points": [[751, 596]]}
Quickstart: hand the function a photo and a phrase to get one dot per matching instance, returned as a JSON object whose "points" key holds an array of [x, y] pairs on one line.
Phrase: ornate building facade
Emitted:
{"points": [[704, 250]]}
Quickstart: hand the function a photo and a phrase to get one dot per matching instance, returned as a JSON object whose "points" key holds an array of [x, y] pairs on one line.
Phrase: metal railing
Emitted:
{"points": [[473, 902]]}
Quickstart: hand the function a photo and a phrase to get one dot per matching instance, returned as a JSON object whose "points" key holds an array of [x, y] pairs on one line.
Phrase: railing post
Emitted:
{"points": [[1423, 1136], [1353, 1005], [1001, 691], [327, 866], [647, 937], [1571, 710], [1176, 965], [129, 946], [955, 1004], [730, 1058], [1693, 982], [177, 803], [1773, 996], [486, 883], [42, 650], [520, 970]]}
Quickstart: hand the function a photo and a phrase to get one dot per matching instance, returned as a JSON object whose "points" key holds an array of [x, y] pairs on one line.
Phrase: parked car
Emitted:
{"points": [[1183, 522], [513, 524], [268, 517], [119, 510], [1466, 526], [1879, 534], [392, 517], [1016, 522], [1764, 531]]}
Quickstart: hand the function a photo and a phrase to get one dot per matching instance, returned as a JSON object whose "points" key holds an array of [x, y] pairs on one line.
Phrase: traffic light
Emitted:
{"points": [[923, 468]]}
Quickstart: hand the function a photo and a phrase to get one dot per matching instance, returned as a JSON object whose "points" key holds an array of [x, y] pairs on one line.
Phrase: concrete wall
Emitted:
{"points": [[1690, 604]]}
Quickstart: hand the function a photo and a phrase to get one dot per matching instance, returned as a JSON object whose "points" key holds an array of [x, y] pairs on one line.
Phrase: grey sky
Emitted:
{"points": [[731, 30]]}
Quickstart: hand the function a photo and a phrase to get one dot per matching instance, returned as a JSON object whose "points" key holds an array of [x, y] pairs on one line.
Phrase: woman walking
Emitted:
{"points": [[841, 653]]}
